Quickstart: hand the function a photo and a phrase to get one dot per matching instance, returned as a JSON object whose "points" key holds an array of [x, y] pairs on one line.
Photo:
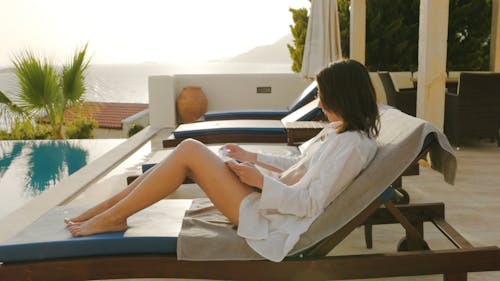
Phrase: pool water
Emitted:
{"points": [[27, 168]]}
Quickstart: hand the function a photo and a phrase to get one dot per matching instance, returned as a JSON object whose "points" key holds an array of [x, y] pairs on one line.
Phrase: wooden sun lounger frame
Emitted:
{"points": [[313, 264], [225, 138], [295, 132]]}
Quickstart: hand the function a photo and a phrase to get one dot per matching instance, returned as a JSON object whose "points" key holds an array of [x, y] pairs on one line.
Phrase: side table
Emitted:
{"points": [[301, 131]]}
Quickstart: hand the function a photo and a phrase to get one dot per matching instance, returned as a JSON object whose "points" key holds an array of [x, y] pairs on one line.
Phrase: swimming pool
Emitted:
{"points": [[27, 168]]}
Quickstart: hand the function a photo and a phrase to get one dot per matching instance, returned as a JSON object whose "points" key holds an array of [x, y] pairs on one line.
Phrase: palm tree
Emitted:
{"points": [[44, 91]]}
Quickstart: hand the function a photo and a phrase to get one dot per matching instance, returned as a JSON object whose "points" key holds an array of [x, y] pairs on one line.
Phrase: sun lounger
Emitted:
{"points": [[402, 198], [305, 97], [202, 245], [263, 131]]}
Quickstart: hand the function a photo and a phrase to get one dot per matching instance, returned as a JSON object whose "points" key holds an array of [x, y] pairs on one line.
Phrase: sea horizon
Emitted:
{"points": [[128, 82]]}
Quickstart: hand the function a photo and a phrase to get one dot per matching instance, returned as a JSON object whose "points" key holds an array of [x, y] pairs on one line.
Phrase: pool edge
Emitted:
{"points": [[71, 186]]}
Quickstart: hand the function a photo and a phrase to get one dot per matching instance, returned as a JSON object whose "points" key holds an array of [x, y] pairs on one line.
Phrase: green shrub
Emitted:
{"points": [[4, 135], [135, 129], [42, 132], [82, 128], [27, 130]]}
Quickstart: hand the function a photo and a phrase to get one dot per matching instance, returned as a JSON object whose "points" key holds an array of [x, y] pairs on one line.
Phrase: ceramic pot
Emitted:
{"points": [[191, 104]]}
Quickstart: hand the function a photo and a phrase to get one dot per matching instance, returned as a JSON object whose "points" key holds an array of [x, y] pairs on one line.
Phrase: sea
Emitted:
{"points": [[129, 82]]}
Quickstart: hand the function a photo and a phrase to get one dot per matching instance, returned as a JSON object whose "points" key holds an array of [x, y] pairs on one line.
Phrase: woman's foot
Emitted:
{"points": [[90, 213], [97, 224]]}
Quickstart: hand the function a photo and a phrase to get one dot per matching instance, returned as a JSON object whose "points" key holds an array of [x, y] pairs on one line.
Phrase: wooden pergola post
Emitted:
{"points": [[495, 37], [357, 31], [432, 47]]}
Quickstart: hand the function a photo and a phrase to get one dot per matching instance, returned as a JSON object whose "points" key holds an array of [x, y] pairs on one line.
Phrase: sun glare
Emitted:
{"points": [[121, 31]]}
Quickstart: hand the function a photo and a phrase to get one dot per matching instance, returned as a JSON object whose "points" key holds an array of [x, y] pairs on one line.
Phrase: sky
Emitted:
{"points": [[136, 31]]}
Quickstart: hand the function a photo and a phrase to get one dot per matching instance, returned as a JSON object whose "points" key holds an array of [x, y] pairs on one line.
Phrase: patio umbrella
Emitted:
{"points": [[322, 44]]}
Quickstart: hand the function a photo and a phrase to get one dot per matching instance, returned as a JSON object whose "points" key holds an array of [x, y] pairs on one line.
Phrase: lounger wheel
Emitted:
{"points": [[402, 196], [403, 246]]}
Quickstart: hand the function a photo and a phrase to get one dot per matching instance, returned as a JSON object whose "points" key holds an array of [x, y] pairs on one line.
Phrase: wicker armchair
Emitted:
{"points": [[475, 110], [402, 99]]}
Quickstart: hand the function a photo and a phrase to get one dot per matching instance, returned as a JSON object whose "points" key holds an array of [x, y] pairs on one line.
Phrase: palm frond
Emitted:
{"points": [[37, 81], [9, 112], [8, 104], [4, 99], [73, 76]]}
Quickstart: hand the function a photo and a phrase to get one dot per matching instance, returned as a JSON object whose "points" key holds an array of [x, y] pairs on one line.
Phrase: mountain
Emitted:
{"points": [[7, 70], [274, 53]]}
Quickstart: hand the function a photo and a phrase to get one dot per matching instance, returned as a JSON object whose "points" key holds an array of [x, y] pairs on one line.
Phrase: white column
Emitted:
{"points": [[357, 30], [161, 102], [432, 43], [495, 37]]}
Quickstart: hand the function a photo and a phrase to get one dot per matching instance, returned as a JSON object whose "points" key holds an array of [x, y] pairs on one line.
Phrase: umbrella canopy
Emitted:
{"points": [[322, 44]]}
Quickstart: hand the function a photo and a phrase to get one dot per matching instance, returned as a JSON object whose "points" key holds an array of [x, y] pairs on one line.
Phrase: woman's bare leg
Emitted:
{"points": [[110, 202], [191, 158]]}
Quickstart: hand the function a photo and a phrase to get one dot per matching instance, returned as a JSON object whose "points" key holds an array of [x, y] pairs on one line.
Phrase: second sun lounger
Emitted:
{"points": [[243, 130], [304, 98]]}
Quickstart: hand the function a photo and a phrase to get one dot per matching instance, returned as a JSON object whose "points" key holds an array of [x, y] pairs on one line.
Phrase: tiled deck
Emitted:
{"points": [[472, 207]]}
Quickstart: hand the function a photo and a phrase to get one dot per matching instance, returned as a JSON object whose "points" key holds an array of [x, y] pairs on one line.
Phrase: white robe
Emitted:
{"points": [[272, 221]]}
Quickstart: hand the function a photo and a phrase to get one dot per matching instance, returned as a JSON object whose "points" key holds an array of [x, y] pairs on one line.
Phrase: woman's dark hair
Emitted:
{"points": [[345, 88]]}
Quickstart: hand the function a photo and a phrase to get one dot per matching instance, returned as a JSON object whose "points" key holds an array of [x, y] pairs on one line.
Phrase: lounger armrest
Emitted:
{"points": [[451, 101], [406, 90]]}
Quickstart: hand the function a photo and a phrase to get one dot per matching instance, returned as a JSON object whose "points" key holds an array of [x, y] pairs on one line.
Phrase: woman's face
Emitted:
{"points": [[331, 116]]}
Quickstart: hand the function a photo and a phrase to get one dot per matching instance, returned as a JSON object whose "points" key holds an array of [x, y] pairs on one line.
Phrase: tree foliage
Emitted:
{"points": [[299, 31], [392, 34], [469, 33], [344, 18]]}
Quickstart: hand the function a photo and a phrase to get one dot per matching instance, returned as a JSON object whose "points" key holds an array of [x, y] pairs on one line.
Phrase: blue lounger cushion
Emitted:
{"points": [[308, 112], [246, 114], [268, 127], [306, 96], [205, 128], [310, 93], [153, 230], [147, 166]]}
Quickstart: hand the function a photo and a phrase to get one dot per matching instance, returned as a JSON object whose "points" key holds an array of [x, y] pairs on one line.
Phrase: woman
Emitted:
{"points": [[272, 220]]}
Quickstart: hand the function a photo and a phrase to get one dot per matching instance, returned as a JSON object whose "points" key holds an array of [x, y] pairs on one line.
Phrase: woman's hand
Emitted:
{"points": [[236, 152], [247, 173]]}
